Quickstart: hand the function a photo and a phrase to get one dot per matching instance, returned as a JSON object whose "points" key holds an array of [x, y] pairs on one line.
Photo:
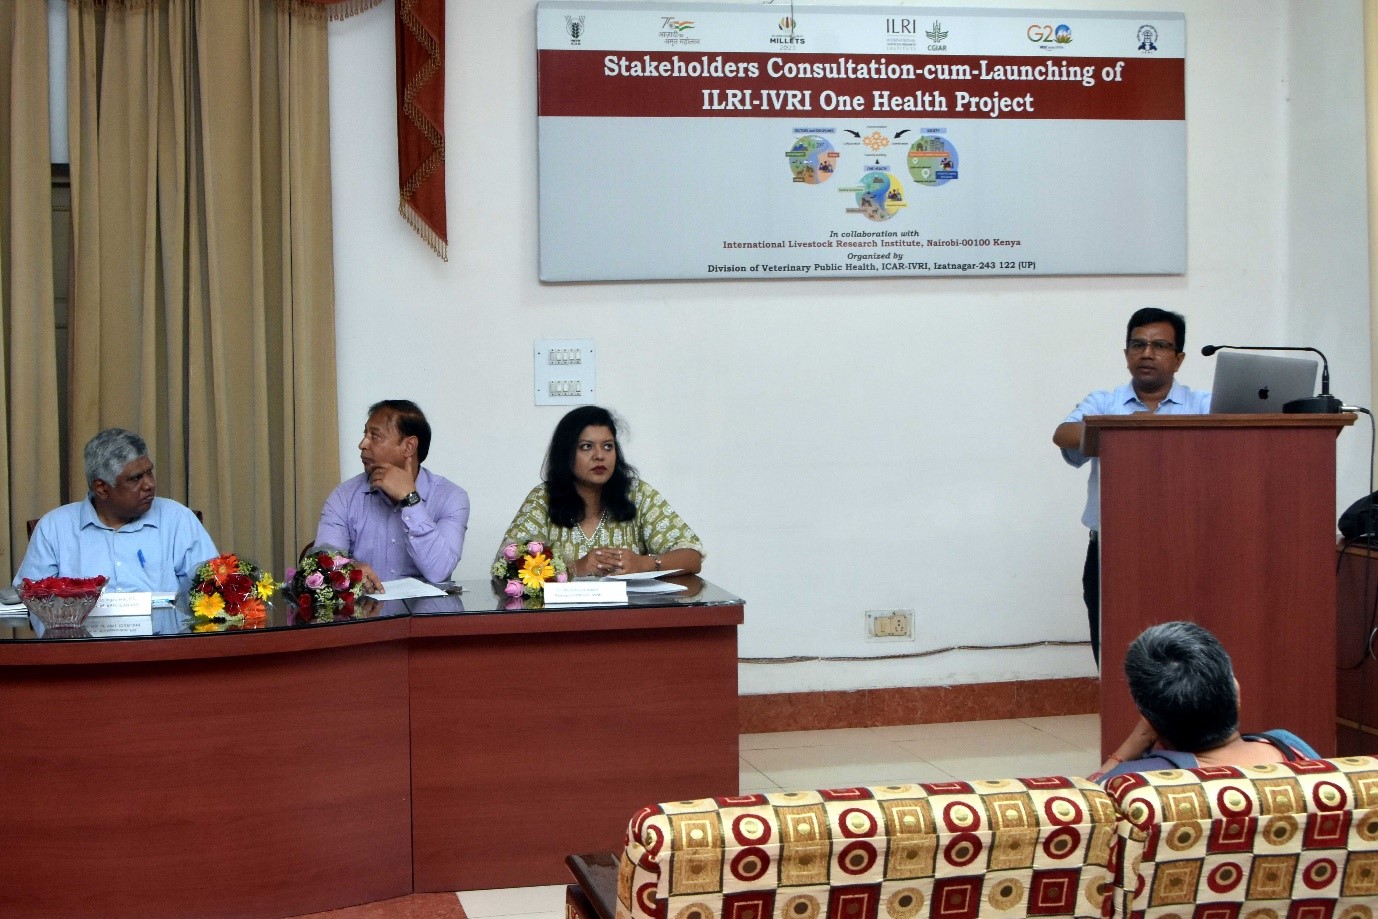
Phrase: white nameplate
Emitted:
{"points": [[119, 626], [124, 603], [585, 593]]}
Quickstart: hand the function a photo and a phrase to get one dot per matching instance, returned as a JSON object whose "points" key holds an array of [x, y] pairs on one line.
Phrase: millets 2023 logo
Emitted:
{"points": [[791, 36]]}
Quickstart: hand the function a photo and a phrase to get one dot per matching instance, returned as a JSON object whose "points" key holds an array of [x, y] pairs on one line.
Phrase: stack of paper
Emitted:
{"points": [[645, 582]]}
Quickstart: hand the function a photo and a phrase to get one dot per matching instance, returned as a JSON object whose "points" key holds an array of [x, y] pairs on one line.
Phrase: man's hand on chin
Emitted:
{"points": [[393, 481]]}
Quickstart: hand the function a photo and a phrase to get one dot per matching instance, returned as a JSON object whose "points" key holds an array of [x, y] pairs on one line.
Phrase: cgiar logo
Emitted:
{"points": [[792, 37], [574, 25], [937, 35]]}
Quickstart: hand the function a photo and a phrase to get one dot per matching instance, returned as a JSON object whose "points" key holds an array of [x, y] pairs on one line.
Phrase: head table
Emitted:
{"points": [[449, 743]]}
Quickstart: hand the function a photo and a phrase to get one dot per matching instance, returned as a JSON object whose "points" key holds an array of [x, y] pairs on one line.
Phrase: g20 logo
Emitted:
{"points": [[1059, 34]]}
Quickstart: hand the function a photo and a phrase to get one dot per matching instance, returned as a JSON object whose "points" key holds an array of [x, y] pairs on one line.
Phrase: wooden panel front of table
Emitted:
{"points": [[1228, 521], [247, 775], [284, 772], [537, 734]]}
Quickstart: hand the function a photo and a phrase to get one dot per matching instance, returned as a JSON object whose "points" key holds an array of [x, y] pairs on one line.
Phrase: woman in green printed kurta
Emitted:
{"points": [[594, 511]]}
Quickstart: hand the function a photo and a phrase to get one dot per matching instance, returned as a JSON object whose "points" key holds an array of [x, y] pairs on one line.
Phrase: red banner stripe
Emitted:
{"points": [[613, 84]]}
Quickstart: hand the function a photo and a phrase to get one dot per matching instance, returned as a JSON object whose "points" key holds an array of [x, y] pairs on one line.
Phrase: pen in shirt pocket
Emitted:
{"points": [[143, 562]]}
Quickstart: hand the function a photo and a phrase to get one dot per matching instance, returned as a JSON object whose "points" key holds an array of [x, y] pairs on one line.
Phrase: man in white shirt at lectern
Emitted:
{"points": [[1153, 351]]}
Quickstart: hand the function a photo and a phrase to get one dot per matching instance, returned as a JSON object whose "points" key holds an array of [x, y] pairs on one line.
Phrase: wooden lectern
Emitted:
{"points": [[1228, 521]]}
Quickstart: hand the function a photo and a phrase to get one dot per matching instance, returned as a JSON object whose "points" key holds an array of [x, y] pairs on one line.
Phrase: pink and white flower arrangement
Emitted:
{"points": [[524, 570], [325, 580]]}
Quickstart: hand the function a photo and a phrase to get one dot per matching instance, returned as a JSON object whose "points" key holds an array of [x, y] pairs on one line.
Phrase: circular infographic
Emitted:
{"points": [[812, 159], [932, 160], [880, 196]]}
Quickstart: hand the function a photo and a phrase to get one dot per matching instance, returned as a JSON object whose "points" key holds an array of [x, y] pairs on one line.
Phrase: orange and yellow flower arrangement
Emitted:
{"points": [[229, 593]]}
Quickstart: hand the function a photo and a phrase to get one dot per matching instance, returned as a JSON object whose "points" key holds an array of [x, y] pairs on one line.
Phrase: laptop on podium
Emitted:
{"points": [[1256, 384]]}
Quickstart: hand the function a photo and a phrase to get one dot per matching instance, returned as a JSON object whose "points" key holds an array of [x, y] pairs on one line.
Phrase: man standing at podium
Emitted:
{"points": [[1153, 352]]}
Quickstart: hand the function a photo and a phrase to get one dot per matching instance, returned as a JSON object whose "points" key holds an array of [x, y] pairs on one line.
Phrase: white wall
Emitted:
{"points": [[913, 467]]}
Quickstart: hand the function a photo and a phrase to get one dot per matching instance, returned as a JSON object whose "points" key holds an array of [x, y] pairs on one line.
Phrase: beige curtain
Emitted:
{"points": [[29, 445], [203, 300]]}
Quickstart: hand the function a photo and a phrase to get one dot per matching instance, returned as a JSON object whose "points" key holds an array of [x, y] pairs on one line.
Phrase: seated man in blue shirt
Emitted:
{"points": [[121, 530]]}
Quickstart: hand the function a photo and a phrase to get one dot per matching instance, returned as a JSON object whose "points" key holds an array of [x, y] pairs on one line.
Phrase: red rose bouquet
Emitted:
{"points": [[229, 593], [326, 583]]}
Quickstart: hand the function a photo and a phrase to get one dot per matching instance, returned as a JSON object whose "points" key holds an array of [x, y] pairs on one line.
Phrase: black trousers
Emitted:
{"points": [[1090, 592]]}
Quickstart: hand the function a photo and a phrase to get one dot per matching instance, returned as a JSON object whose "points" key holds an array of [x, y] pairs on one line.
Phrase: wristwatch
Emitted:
{"points": [[410, 500]]}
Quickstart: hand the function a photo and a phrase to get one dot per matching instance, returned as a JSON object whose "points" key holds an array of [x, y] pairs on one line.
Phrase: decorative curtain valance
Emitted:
{"points": [[324, 9]]}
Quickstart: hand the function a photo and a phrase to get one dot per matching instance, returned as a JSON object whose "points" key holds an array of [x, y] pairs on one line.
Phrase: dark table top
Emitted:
{"points": [[466, 598]]}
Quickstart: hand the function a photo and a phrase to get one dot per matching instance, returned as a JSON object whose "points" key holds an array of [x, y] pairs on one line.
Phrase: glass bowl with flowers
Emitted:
{"points": [[228, 592], [523, 569], [61, 604], [326, 584]]}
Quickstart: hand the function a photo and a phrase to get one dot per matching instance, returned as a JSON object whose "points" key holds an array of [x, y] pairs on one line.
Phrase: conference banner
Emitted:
{"points": [[764, 141]]}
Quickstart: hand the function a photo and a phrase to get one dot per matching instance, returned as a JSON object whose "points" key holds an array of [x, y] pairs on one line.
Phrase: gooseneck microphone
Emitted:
{"points": [[1324, 404]]}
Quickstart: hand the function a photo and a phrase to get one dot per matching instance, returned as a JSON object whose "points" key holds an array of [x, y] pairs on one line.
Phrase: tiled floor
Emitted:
{"points": [[1066, 745]]}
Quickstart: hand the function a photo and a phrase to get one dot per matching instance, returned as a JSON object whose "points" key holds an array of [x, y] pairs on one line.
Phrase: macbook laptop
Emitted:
{"points": [[1253, 384]]}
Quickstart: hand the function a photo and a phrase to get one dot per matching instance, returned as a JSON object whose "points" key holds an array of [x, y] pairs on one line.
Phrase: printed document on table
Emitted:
{"points": [[406, 589], [643, 575], [651, 587]]}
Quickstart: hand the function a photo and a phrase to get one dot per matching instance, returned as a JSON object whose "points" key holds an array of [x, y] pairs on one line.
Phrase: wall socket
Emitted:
{"points": [[889, 625]]}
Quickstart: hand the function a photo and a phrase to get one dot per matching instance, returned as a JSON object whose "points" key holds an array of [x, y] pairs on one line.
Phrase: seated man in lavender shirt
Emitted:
{"points": [[396, 518]]}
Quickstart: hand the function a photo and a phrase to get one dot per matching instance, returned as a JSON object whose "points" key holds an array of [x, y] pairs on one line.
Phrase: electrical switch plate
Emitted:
{"points": [[563, 371]]}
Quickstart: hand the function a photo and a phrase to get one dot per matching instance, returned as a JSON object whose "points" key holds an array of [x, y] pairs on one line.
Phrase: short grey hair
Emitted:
{"points": [[109, 452], [1182, 681]]}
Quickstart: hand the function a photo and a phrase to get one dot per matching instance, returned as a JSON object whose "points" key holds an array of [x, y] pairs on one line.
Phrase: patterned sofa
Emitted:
{"points": [[1259, 842], [1288, 840]]}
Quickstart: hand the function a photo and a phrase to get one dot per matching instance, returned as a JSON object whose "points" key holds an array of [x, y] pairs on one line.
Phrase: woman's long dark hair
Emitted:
{"points": [[566, 506]]}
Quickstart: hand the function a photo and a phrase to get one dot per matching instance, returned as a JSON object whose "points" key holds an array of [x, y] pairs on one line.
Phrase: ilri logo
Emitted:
{"points": [[902, 34]]}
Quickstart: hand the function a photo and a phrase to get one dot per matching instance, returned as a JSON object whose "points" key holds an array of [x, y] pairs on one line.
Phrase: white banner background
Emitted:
{"points": [[649, 193]]}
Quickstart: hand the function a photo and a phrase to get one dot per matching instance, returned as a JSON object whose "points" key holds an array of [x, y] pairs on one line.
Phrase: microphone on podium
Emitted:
{"points": [[1324, 404]]}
